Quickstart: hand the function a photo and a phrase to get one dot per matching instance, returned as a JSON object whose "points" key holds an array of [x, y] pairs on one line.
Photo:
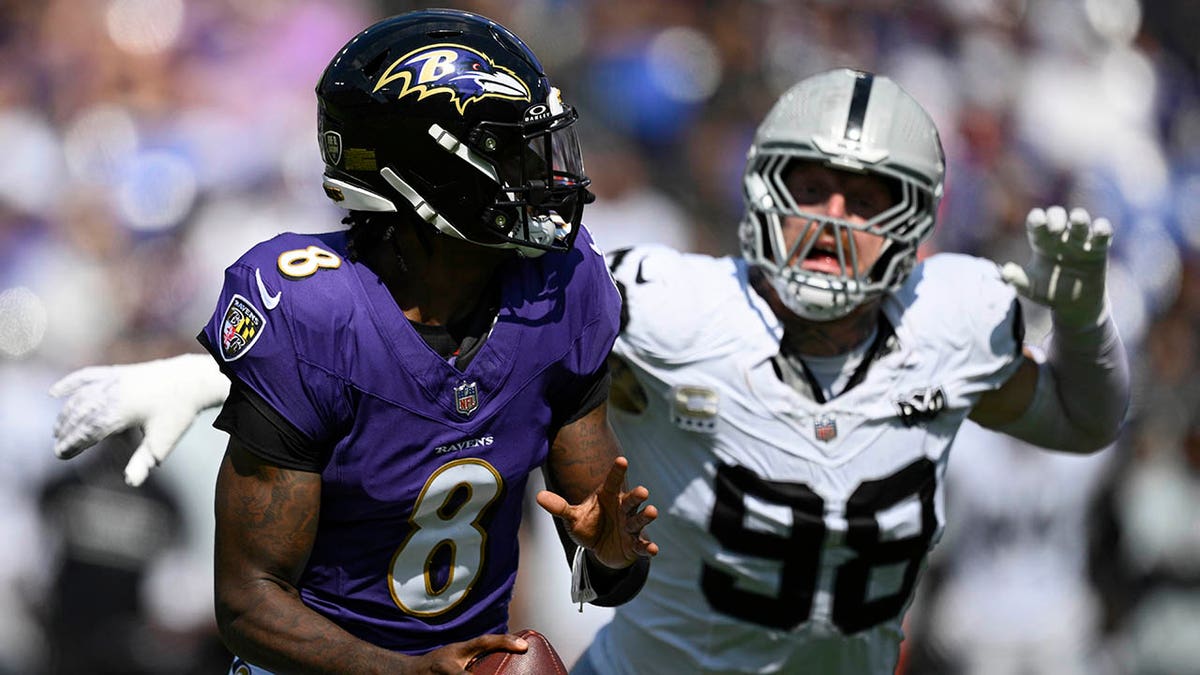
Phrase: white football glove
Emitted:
{"points": [[162, 397], [1066, 271]]}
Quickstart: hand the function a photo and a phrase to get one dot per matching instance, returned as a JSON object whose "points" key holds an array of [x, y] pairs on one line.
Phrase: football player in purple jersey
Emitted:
{"points": [[394, 384]]}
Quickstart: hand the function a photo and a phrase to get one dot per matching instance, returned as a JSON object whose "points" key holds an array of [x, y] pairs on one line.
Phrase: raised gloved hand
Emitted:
{"points": [[162, 397], [1067, 269]]}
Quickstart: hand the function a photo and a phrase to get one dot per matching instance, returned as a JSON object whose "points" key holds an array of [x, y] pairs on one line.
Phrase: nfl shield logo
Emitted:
{"points": [[825, 428], [466, 398]]}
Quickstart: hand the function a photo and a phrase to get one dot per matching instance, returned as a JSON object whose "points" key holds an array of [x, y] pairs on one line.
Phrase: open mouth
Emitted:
{"points": [[822, 257]]}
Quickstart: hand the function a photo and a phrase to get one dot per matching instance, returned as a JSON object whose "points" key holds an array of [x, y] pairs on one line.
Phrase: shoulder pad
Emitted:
{"points": [[957, 311], [681, 307]]}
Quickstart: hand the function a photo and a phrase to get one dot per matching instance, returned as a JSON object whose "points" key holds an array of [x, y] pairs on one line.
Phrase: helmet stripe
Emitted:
{"points": [[858, 105]]}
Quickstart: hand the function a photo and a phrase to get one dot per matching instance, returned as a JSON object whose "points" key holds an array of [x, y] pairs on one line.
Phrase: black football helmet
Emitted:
{"points": [[450, 114]]}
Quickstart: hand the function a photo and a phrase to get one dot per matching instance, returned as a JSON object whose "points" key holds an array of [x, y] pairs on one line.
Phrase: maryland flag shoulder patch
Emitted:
{"points": [[240, 328]]}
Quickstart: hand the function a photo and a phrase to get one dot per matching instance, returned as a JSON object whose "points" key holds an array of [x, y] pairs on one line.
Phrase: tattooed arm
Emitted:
{"points": [[267, 520], [585, 475]]}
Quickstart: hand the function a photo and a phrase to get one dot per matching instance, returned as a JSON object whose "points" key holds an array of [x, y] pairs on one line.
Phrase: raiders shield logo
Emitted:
{"points": [[466, 398], [921, 405], [240, 328]]}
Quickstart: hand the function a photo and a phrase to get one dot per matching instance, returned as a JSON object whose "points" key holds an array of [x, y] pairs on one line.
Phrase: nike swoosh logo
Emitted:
{"points": [[269, 301]]}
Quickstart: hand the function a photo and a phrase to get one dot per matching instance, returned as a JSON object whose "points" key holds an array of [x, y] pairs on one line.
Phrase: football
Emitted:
{"points": [[539, 659]]}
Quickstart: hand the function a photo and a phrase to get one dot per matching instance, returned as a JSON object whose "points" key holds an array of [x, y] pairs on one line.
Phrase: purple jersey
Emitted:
{"points": [[422, 492]]}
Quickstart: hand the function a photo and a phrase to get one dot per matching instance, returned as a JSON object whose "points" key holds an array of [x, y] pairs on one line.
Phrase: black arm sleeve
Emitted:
{"points": [[266, 433], [617, 587], [595, 394]]}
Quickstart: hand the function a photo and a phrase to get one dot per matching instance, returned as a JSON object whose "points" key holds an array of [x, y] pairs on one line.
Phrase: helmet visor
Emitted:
{"points": [[542, 182]]}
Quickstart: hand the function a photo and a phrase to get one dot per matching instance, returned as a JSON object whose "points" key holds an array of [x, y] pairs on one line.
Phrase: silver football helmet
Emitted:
{"points": [[853, 121]]}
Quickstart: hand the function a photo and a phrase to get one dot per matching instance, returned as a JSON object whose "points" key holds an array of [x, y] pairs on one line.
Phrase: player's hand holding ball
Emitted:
{"points": [[539, 659]]}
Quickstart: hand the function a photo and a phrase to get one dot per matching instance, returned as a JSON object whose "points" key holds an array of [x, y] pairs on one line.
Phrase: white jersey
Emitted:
{"points": [[791, 531]]}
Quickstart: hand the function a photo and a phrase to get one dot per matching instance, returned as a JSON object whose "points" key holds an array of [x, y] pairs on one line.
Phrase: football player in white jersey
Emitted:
{"points": [[792, 409]]}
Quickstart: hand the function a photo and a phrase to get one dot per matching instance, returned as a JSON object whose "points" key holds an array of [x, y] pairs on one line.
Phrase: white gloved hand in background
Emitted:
{"points": [[1067, 269], [162, 397]]}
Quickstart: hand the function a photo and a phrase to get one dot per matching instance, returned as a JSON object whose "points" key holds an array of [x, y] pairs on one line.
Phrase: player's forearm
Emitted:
{"points": [[1082, 391], [267, 624], [581, 455], [1091, 370]]}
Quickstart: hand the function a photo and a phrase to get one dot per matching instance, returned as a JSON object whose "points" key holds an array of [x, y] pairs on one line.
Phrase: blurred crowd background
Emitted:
{"points": [[147, 143]]}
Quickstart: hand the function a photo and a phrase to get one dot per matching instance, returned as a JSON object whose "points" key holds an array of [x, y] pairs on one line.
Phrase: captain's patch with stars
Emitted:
{"points": [[240, 328], [465, 75]]}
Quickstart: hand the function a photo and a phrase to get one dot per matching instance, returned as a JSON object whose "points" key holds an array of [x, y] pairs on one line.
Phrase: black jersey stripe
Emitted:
{"points": [[858, 106]]}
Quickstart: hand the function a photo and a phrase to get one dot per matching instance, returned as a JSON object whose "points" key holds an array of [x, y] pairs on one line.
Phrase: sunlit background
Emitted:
{"points": [[147, 143]]}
